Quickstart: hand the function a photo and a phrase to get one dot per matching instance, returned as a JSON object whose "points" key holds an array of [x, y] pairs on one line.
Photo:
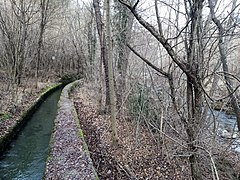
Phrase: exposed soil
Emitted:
{"points": [[136, 157]]}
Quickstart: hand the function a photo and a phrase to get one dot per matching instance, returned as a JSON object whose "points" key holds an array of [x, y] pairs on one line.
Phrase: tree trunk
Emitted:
{"points": [[44, 5], [124, 25], [192, 69], [39, 48], [110, 75], [223, 58], [102, 39]]}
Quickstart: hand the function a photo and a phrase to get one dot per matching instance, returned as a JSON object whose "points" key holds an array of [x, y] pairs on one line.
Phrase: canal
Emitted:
{"points": [[27, 154]]}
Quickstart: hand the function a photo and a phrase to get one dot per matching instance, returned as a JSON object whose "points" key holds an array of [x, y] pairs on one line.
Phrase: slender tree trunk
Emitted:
{"points": [[22, 46], [43, 10], [124, 26], [110, 74], [39, 54], [102, 39], [91, 44], [223, 58]]}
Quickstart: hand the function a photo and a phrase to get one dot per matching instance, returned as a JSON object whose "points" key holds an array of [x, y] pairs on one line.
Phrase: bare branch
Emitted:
{"points": [[149, 63], [160, 38]]}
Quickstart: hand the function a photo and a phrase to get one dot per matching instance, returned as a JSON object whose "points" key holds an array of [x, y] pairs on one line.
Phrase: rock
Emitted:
{"points": [[228, 135]]}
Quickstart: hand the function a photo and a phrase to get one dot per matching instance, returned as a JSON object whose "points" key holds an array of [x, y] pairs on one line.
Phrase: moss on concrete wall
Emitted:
{"points": [[65, 106], [19, 124]]}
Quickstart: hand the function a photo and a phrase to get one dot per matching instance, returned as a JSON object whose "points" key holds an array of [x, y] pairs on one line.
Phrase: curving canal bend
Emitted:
{"points": [[27, 155]]}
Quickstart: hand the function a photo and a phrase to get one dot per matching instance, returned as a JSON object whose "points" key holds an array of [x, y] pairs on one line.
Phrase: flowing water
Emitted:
{"points": [[25, 160], [227, 124]]}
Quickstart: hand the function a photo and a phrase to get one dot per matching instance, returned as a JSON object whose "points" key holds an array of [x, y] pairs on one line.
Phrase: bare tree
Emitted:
{"points": [[223, 58], [192, 68], [104, 33], [15, 20], [123, 24], [104, 50], [44, 13], [110, 73]]}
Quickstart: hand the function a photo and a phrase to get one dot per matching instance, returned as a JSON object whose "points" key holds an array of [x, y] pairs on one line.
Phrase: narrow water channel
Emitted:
{"points": [[27, 155]]}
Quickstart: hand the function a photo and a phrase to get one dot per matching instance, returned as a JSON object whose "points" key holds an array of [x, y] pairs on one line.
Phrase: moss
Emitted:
{"points": [[65, 95], [81, 134], [4, 116], [49, 157], [13, 131]]}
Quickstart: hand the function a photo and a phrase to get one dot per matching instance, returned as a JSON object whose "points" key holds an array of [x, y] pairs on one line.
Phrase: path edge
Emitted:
{"points": [[65, 96]]}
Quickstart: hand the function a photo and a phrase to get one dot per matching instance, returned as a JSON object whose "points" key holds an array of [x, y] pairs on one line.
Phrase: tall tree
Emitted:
{"points": [[110, 73], [104, 33], [223, 57], [15, 20], [44, 13], [123, 22], [102, 40], [192, 68], [91, 42]]}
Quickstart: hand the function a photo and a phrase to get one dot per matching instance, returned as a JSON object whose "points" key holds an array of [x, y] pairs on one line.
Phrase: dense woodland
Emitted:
{"points": [[164, 65]]}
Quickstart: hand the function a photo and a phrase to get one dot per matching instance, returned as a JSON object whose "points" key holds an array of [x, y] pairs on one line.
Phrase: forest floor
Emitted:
{"points": [[138, 155]]}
